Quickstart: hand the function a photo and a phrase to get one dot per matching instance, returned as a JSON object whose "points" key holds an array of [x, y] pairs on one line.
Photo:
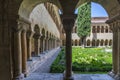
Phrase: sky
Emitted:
{"points": [[97, 10]]}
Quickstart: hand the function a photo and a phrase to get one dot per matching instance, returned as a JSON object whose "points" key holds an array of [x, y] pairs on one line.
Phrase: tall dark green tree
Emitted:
{"points": [[84, 22]]}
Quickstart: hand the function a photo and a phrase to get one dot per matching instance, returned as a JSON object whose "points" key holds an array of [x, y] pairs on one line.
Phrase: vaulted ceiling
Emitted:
{"points": [[68, 6]]}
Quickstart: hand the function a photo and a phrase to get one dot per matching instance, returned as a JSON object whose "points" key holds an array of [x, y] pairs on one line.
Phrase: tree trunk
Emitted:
{"points": [[83, 42]]}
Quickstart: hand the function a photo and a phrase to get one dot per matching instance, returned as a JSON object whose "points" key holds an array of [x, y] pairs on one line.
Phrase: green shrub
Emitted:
{"points": [[84, 60]]}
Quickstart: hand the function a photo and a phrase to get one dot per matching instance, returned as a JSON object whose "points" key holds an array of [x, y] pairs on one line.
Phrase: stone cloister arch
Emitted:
{"points": [[98, 42], [98, 29], [10, 37], [76, 42], [36, 37], [106, 42], [102, 29], [102, 42], [88, 42], [110, 42]]}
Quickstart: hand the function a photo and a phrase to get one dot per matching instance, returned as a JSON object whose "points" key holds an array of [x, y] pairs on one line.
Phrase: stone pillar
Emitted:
{"points": [[29, 45], [115, 49], [117, 77], [68, 23], [46, 44], [36, 39], [24, 52], [41, 45], [49, 44], [55, 45], [17, 75], [42, 42]]}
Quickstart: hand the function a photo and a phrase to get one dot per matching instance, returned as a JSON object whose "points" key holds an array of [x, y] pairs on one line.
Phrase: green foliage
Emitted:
{"points": [[84, 20], [58, 64], [84, 60], [91, 60]]}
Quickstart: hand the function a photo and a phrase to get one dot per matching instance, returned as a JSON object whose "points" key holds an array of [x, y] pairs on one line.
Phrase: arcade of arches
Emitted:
{"points": [[28, 28], [97, 37]]}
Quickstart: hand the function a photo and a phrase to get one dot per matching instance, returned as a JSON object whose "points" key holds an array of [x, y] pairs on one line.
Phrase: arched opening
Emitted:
{"points": [[106, 42], [88, 42], [110, 42], [102, 43], [102, 29], [36, 36], [76, 42], [98, 29], [98, 40], [97, 43], [93, 29]]}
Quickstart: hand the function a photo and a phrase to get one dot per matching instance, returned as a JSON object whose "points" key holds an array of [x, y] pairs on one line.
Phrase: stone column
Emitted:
{"points": [[42, 42], [68, 23], [17, 75], [46, 44], [36, 39], [29, 45], [49, 43], [117, 77], [55, 45], [41, 45], [24, 52], [114, 49]]}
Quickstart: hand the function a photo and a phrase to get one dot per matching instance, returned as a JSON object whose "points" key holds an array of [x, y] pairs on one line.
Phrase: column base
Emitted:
{"points": [[29, 60], [20, 77], [117, 77], [111, 74], [67, 78], [36, 56]]}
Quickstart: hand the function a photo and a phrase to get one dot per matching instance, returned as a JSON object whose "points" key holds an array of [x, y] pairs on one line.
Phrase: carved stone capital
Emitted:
{"points": [[68, 22], [36, 36], [43, 36], [18, 28], [29, 34]]}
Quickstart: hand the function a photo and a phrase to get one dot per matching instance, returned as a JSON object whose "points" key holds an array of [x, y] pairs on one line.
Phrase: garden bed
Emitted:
{"points": [[84, 60]]}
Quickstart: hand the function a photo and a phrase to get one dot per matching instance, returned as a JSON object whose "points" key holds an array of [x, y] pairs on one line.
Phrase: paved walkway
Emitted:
{"points": [[42, 63], [50, 76], [42, 71], [50, 57]]}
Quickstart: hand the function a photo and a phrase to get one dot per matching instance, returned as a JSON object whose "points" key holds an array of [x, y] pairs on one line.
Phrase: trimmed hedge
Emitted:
{"points": [[84, 60], [58, 64]]}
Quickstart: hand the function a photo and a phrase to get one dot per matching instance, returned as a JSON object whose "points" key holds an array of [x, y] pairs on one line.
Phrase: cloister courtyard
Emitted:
{"points": [[34, 32]]}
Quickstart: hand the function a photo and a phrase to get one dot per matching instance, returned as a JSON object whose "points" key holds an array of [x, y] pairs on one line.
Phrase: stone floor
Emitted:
{"points": [[43, 66], [42, 63], [50, 76]]}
